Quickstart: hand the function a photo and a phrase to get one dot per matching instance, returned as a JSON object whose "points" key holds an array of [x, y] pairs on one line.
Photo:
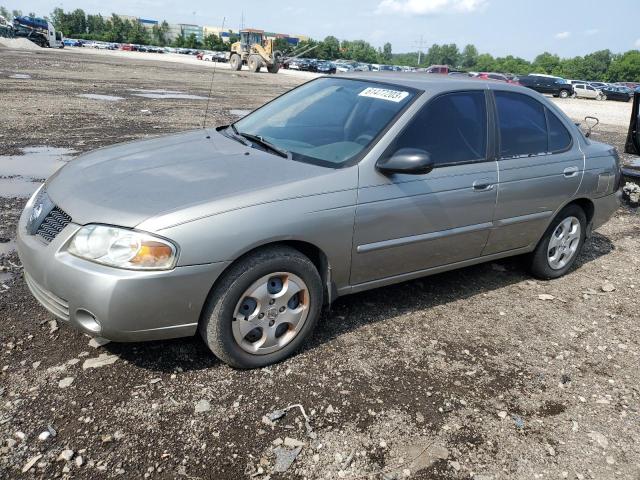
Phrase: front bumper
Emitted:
{"points": [[120, 305]]}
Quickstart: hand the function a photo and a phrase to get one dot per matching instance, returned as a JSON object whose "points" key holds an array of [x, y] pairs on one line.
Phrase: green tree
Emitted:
{"points": [[625, 67], [546, 63], [5, 13], [387, 53], [469, 57], [192, 41]]}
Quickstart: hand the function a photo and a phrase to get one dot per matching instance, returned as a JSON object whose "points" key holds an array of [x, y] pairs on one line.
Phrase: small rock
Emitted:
{"points": [[203, 406], [30, 463], [455, 465], [65, 455], [66, 382], [292, 442], [284, 458], [19, 435], [329, 409], [44, 436], [502, 414], [79, 461], [608, 287], [155, 380], [546, 296], [599, 438], [106, 439], [101, 360], [97, 342]]}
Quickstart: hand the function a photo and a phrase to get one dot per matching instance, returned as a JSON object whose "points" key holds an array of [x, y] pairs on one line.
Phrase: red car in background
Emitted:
{"points": [[496, 76]]}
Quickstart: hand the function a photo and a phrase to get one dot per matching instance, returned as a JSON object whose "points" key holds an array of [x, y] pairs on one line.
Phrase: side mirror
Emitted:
{"points": [[409, 161]]}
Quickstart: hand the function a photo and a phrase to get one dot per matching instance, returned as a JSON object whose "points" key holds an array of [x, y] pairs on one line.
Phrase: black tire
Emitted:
{"points": [[538, 260], [564, 94], [217, 317], [255, 63], [236, 62]]}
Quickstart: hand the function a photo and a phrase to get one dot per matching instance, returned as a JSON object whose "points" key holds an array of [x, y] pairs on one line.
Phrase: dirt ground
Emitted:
{"points": [[481, 373]]}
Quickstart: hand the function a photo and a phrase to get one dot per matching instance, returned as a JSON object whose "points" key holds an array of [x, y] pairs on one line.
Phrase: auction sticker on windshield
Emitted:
{"points": [[384, 94]]}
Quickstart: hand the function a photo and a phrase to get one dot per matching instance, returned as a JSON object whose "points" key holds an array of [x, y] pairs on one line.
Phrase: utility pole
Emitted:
{"points": [[420, 46]]}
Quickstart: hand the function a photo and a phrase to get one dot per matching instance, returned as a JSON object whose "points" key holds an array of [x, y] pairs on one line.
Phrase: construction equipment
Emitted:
{"points": [[256, 51], [6, 28], [39, 31]]}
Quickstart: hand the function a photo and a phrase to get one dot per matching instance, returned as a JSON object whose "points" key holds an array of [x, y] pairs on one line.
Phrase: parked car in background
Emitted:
{"points": [[556, 86], [344, 68], [494, 76], [598, 85], [444, 69], [348, 184], [582, 90], [325, 67], [620, 94], [631, 85]]}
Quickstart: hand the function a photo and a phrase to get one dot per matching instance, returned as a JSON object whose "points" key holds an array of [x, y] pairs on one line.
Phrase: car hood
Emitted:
{"points": [[169, 177]]}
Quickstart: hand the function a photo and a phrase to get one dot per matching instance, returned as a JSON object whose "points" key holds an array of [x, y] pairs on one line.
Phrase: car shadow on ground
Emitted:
{"points": [[354, 311]]}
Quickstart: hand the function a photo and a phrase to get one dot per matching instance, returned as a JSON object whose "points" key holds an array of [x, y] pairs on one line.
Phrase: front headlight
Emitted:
{"points": [[122, 248]]}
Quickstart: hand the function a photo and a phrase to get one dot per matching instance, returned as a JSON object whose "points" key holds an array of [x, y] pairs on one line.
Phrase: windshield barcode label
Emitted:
{"points": [[384, 94]]}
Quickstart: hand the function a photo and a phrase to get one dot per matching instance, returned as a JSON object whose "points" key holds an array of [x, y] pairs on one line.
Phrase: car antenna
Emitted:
{"points": [[213, 74]]}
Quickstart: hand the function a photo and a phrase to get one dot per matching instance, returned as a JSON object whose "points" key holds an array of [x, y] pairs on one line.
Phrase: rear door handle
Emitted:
{"points": [[570, 172], [482, 186]]}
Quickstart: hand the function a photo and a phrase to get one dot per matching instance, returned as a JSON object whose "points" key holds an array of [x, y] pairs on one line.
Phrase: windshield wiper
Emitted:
{"points": [[262, 142], [235, 135]]}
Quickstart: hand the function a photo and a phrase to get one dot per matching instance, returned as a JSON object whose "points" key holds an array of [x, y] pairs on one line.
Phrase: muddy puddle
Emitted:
{"points": [[164, 94], [98, 96], [21, 175]]}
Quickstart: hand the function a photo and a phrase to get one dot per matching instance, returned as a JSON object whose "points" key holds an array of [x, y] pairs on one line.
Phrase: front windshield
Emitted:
{"points": [[328, 121]]}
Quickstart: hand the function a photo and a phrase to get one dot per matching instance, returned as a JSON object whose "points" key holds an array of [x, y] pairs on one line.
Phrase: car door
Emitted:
{"points": [[590, 92], [540, 168], [406, 224], [579, 89]]}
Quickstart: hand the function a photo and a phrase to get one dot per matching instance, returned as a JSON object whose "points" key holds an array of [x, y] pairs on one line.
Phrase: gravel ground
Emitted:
{"points": [[481, 373]]}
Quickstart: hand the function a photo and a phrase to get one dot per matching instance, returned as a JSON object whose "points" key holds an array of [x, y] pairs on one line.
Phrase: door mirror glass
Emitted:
{"points": [[409, 161]]}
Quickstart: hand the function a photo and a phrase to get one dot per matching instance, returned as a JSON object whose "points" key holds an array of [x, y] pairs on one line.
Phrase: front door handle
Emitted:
{"points": [[570, 172], [482, 185]]}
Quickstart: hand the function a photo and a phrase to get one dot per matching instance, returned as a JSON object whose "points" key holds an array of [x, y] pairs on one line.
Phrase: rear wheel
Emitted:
{"points": [[564, 94], [263, 308], [255, 63], [235, 61], [275, 62], [561, 244]]}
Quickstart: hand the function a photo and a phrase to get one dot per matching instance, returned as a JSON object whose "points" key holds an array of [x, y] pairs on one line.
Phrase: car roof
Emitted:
{"points": [[431, 82]]}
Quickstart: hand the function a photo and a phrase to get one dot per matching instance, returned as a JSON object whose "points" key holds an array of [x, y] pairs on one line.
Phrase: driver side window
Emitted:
{"points": [[452, 128]]}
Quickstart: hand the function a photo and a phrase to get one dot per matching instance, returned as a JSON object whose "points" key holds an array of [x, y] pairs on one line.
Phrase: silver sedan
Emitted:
{"points": [[244, 232]]}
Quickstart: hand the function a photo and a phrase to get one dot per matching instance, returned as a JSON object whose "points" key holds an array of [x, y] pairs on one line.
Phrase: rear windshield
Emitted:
{"points": [[329, 121]]}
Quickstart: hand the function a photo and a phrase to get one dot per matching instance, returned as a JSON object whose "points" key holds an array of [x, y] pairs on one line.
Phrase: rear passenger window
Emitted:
{"points": [[452, 128], [559, 136], [528, 128], [522, 124]]}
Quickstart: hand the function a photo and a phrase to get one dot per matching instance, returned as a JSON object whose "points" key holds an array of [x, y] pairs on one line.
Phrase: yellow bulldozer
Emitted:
{"points": [[255, 51]]}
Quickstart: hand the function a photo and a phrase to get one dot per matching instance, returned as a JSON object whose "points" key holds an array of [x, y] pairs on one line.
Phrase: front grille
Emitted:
{"points": [[53, 224], [53, 303]]}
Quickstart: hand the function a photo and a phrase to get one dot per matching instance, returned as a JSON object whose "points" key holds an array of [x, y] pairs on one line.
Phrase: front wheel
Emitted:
{"points": [[236, 62], [561, 244], [255, 63], [263, 308]]}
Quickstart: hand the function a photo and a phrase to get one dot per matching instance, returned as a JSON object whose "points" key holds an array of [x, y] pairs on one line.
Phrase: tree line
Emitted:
{"points": [[602, 65]]}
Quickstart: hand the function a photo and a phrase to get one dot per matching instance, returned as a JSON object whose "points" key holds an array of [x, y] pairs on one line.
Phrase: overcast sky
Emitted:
{"points": [[500, 27]]}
